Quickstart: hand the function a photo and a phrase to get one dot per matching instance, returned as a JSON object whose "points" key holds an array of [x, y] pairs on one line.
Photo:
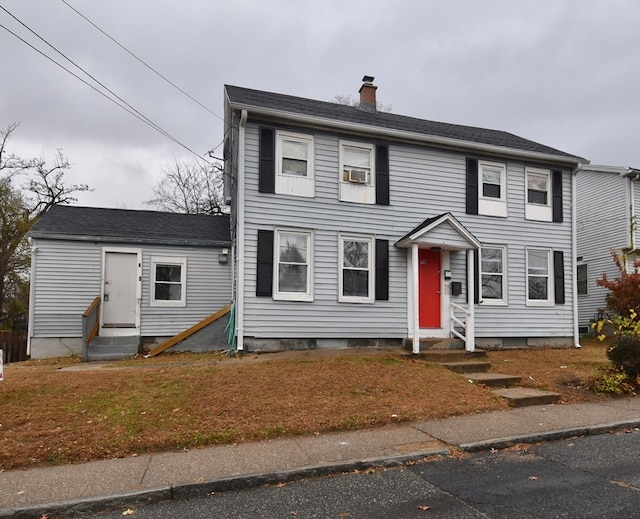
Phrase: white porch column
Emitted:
{"points": [[470, 334], [416, 295]]}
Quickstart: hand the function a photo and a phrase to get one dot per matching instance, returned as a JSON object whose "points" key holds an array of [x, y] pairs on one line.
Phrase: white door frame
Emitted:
{"points": [[117, 332], [412, 298]]}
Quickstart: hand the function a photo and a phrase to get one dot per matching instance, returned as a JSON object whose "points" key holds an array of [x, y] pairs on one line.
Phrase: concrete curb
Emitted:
{"points": [[558, 434]]}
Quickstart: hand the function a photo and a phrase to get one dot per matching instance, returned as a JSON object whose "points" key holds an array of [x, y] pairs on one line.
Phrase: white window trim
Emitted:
{"points": [[491, 206], [538, 212], [292, 184], [353, 192], [292, 296], [168, 260], [586, 266], [505, 296], [363, 238], [550, 301]]}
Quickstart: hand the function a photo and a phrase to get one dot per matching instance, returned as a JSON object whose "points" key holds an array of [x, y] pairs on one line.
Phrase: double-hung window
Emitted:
{"points": [[357, 172], [294, 164], [356, 276], [539, 277], [538, 206], [493, 276], [168, 281], [293, 259], [492, 182]]}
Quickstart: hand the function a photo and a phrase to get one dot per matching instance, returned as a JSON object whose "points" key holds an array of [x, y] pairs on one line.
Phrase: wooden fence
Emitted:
{"points": [[13, 345]]}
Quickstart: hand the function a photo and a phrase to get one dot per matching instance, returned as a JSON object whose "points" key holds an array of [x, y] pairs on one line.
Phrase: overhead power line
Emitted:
{"points": [[122, 103], [141, 60]]}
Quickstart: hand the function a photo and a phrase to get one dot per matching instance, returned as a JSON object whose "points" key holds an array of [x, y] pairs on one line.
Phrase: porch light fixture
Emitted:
{"points": [[447, 275], [436, 249]]}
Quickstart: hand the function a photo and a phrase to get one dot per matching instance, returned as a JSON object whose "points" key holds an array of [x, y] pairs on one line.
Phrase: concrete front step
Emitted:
{"points": [[113, 348], [492, 379], [523, 396], [436, 344], [448, 356], [467, 366]]}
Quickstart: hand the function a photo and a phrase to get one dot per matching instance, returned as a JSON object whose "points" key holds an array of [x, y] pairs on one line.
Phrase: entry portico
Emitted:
{"points": [[431, 247]]}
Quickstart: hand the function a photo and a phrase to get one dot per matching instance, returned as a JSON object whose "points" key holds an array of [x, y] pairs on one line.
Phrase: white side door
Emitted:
{"points": [[121, 292]]}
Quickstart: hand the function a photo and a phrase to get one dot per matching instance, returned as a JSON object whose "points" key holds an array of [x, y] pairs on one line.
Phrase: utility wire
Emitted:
{"points": [[127, 107], [141, 60]]}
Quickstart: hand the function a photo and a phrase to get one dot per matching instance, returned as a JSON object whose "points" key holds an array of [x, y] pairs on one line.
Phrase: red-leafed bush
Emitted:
{"points": [[624, 290]]}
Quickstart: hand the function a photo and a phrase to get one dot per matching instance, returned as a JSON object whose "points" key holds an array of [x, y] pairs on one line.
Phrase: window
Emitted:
{"points": [[493, 277], [293, 265], [294, 164], [168, 281], [583, 284], [356, 269], [538, 205], [492, 179], [357, 172], [539, 277]]}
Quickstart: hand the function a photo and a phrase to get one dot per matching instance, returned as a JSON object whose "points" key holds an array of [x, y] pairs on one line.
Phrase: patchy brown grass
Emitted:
{"points": [[51, 414]]}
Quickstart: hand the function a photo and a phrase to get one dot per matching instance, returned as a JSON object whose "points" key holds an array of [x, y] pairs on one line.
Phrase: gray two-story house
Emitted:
{"points": [[608, 206], [357, 227]]}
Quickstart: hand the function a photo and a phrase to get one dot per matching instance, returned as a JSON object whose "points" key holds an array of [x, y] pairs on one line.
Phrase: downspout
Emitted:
{"points": [[32, 294], [240, 237], [574, 257], [633, 220]]}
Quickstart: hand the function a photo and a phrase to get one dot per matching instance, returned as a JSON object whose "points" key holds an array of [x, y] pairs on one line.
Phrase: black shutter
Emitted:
{"points": [[472, 186], [556, 189], [264, 270], [558, 276], [382, 175], [382, 270], [267, 161]]}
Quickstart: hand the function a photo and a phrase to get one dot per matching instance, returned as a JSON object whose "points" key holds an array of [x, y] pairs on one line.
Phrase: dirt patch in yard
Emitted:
{"points": [[56, 411]]}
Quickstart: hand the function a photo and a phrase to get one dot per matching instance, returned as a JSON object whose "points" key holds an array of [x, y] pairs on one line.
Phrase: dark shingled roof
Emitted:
{"points": [[344, 113], [124, 225]]}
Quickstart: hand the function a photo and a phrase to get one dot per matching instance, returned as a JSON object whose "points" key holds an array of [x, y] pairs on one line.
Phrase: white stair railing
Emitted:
{"points": [[462, 325]]}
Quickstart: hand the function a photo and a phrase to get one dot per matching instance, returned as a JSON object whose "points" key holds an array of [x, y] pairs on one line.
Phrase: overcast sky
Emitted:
{"points": [[562, 73]]}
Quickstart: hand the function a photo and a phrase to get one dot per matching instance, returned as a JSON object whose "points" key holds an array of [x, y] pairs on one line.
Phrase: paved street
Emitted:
{"points": [[594, 476]]}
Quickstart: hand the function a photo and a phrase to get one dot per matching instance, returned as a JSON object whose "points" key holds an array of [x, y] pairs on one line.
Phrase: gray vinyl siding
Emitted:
{"points": [[208, 290], [67, 280], [424, 182], [602, 225], [68, 276]]}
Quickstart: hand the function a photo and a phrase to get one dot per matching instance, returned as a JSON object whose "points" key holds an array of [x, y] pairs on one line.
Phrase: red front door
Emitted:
{"points": [[429, 288]]}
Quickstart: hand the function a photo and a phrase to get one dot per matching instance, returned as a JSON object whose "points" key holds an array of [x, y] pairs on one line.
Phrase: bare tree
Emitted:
{"points": [[21, 206], [191, 188]]}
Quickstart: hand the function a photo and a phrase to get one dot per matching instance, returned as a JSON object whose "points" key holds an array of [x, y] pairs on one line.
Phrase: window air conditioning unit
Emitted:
{"points": [[357, 176]]}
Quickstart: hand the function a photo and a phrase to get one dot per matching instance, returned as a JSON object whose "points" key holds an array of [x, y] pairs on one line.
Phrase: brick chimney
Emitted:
{"points": [[368, 94]]}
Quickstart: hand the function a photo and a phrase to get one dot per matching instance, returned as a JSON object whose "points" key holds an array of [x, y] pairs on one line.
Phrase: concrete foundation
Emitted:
{"points": [[49, 347], [499, 343]]}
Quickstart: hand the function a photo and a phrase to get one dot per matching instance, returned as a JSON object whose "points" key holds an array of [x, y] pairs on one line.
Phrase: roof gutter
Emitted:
{"points": [[405, 135], [130, 240]]}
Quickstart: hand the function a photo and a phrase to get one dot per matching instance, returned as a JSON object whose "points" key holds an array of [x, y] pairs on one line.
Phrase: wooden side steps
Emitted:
{"points": [[474, 367], [187, 333]]}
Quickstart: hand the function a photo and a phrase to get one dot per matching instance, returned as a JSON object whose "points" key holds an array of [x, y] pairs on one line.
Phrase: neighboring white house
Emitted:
{"points": [[356, 227], [156, 274], [608, 205]]}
